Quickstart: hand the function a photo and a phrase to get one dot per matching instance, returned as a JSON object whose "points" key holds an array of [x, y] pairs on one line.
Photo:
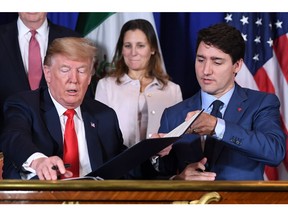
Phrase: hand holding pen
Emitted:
{"points": [[62, 172], [55, 167], [50, 168]]}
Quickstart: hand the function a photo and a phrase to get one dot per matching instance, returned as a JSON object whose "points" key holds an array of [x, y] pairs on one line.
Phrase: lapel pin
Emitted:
{"points": [[239, 109], [92, 124]]}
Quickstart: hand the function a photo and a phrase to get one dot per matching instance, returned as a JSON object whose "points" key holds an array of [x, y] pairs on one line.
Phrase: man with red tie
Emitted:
{"points": [[56, 131]]}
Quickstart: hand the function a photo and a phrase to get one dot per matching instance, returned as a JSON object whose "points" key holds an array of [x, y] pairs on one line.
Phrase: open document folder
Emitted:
{"points": [[140, 152]]}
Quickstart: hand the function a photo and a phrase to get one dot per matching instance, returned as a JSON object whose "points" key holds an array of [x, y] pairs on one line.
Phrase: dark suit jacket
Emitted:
{"points": [[33, 125], [12, 72], [253, 136]]}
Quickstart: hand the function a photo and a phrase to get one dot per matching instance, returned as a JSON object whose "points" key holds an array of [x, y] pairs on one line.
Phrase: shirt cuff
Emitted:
{"points": [[219, 129], [28, 172]]}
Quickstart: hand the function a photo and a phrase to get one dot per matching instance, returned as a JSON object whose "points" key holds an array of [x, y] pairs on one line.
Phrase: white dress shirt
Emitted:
{"points": [[24, 36]]}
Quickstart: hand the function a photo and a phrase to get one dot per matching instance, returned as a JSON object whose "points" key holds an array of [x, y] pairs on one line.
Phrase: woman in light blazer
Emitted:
{"points": [[138, 89]]}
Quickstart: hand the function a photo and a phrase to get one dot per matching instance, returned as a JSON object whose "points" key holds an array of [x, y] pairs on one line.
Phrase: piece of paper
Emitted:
{"points": [[182, 128]]}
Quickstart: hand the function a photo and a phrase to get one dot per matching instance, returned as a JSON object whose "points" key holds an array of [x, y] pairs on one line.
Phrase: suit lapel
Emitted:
{"points": [[237, 106], [195, 104], [91, 125], [52, 119]]}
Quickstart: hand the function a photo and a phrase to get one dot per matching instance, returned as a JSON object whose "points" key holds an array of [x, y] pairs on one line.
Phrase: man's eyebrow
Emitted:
{"points": [[64, 65], [216, 58], [213, 57], [201, 56]]}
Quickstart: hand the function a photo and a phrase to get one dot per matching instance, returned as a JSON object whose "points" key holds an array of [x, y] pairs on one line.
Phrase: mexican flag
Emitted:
{"points": [[104, 29]]}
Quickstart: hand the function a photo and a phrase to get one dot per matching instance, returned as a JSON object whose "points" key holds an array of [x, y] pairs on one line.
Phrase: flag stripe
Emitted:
{"points": [[271, 173], [263, 81], [281, 46], [281, 88]]}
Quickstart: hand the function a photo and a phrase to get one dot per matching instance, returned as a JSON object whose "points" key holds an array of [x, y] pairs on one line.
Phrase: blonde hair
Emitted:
{"points": [[73, 48]]}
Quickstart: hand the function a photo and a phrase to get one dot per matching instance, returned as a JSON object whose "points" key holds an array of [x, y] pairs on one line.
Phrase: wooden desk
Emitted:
{"points": [[158, 192]]}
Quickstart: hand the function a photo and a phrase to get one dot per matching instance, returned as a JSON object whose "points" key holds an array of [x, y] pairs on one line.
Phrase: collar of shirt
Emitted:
{"points": [[207, 100], [60, 109], [24, 31], [125, 79]]}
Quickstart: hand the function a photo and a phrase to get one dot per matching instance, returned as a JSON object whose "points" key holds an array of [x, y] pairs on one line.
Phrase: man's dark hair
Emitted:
{"points": [[224, 37]]}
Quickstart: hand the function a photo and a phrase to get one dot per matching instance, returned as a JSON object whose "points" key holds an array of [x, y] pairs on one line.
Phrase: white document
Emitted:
{"points": [[182, 128]]}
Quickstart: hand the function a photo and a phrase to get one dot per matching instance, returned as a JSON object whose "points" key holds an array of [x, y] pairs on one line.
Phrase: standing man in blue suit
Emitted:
{"points": [[14, 39], [34, 126], [245, 136]]}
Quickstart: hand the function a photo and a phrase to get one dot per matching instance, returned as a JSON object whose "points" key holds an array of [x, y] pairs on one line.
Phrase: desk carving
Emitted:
{"points": [[205, 199]]}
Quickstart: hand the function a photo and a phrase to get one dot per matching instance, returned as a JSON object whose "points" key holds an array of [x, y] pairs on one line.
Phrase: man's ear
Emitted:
{"points": [[237, 66], [47, 73]]}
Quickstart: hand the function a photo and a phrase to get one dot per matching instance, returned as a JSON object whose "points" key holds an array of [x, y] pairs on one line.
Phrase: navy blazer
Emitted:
{"points": [[32, 125], [12, 72], [253, 136]]}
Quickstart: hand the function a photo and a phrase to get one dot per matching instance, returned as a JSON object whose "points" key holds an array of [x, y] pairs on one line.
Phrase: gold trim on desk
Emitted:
{"points": [[144, 192], [144, 185]]}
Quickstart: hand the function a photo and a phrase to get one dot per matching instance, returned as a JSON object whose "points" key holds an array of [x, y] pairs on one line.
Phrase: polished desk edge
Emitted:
{"points": [[144, 185]]}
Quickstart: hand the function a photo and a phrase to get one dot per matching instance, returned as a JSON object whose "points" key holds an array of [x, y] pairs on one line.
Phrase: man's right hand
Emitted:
{"points": [[44, 171]]}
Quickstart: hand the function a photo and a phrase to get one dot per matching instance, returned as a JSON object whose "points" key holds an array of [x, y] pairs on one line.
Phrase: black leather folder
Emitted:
{"points": [[132, 157]]}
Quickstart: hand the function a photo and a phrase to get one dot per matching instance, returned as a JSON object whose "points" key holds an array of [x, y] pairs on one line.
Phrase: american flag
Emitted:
{"points": [[266, 64]]}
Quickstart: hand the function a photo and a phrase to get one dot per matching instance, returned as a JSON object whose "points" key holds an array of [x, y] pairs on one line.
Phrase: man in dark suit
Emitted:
{"points": [[32, 139], [14, 39], [243, 138]]}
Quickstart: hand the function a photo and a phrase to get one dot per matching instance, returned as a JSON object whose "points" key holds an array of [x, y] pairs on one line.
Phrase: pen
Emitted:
{"points": [[198, 169], [55, 167]]}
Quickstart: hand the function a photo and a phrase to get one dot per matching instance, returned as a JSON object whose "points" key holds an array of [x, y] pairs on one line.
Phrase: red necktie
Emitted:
{"points": [[34, 62], [71, 154]]}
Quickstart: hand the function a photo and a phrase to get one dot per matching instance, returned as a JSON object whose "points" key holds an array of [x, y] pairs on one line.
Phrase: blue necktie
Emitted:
{"points": [[210, 142]]}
